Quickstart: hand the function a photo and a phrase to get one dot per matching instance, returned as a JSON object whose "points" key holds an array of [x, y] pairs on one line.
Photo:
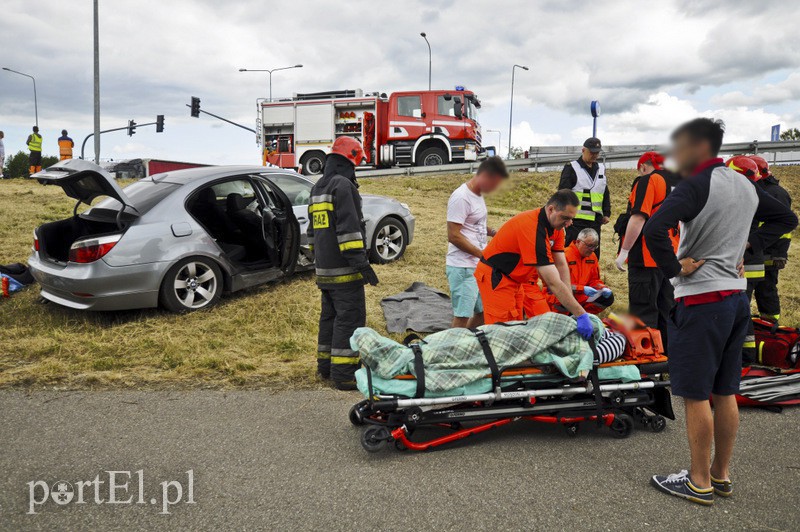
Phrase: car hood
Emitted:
{"points": [[83, 181]]}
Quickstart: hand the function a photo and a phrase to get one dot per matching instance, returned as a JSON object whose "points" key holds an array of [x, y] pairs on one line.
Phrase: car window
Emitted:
{"points": [[409, 106], [298, 190], [445, 107], [144, 195], [240, 186]]}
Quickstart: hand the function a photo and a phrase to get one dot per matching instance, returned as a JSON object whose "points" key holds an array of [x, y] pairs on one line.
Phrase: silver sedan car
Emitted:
{"points": [[180, 239]]}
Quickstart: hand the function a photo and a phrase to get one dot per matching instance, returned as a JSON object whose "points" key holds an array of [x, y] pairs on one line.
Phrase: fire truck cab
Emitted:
{"points": [[422, 128]]}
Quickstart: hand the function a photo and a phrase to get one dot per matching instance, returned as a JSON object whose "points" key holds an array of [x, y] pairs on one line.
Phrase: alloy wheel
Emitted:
{"points": [[195, 285], [389, 242]]}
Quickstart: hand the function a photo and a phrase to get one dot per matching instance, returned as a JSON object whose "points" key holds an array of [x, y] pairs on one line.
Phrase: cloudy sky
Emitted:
{"points": [[651, 65]]}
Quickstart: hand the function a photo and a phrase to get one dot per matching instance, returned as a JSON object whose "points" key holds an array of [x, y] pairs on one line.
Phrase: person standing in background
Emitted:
{"points": [[65, 145], [467, 234], [2, 155], [587, 179], [34, 143]]}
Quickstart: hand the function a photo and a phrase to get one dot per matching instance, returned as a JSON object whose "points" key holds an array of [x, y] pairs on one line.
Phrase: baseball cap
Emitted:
{"points": [[593, 144], [652, 157]]}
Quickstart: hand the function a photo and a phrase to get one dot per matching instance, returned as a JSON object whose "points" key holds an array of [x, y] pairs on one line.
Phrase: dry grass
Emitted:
{"points": [[261, 337]]}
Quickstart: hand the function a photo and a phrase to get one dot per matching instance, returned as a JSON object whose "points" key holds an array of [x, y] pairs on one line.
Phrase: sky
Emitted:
{"points": [[651, 65]]}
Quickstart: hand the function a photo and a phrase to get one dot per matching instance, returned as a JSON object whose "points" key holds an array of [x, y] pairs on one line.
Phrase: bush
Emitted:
{"points": [[17, 165]]}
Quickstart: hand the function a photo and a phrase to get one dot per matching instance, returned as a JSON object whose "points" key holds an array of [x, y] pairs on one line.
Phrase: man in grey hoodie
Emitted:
{"points": [[715, 207]]}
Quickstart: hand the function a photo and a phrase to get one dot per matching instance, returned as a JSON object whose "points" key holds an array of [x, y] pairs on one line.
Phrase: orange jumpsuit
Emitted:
{"points": [[510, 261], [583, 272]]}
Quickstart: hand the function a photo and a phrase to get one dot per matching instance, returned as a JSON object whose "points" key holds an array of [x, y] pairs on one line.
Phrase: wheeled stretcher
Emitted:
{"points": [[619, 395]]}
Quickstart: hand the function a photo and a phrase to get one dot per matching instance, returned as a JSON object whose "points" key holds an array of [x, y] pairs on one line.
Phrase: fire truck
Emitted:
{"points": [[422, 128]]}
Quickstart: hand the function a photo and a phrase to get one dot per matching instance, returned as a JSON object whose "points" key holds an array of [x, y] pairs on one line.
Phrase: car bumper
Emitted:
{"points": [[98, 286], [410, 222]]}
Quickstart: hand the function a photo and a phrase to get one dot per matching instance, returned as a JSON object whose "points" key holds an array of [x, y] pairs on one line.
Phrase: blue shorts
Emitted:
{"points": [[705, 347], [464, 292]]}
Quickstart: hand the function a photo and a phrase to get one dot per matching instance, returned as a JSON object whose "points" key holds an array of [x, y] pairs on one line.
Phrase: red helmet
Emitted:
{"points": [[349, 148], [745, 166], [763, 165]]}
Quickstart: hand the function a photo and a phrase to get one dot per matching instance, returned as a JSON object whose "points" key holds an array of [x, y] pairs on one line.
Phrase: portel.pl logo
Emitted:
{"points": [[111, 487]]}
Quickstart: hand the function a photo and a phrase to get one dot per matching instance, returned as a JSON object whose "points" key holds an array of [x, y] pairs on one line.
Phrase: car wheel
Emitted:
{"points": [[313, 162], [432, 157], [191, 284], [389, 241]]}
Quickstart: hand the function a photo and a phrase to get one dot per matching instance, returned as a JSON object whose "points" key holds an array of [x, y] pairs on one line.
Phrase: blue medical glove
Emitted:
{"points": [[606, 292], [585, 327], [589, 291]]}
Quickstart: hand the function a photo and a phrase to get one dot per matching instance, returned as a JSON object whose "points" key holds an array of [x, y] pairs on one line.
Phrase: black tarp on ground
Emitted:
{"points": [[419, 308]]}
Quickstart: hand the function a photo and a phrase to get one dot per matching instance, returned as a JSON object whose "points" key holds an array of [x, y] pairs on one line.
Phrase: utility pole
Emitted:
{"points": [[511, 106], [430, 57], [96, 84]]}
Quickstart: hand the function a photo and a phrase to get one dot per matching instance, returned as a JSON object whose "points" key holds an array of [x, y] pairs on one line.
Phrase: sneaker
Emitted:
{"points": [[680, 485], [723, 488]]}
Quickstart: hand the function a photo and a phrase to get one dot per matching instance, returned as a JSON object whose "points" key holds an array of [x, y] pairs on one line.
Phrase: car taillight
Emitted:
{"points": [[91, 249], [35, 241]]}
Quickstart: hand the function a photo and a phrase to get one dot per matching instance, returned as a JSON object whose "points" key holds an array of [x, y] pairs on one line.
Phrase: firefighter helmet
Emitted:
{"points": [[763, 165], [745, 166], [349, 148]]}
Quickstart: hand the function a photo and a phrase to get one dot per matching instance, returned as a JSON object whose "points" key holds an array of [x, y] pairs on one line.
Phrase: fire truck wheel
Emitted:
{"points": [[432, 157], [313, 162]]}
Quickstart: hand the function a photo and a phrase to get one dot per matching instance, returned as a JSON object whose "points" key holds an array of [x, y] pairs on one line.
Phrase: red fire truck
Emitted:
{"points": [[421, 128]]}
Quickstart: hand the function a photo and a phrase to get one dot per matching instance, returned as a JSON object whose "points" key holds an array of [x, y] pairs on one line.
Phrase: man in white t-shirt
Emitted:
{"points": [[467, 234]]}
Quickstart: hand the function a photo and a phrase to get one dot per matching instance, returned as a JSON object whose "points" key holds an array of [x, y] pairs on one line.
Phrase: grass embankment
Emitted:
{"points": [[261, 337]]}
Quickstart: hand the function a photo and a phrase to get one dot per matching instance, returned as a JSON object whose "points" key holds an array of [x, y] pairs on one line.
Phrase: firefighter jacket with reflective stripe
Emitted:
{"points": [[336, 226], [65, 145], [35, 142], [590, 191], [780, 249]]}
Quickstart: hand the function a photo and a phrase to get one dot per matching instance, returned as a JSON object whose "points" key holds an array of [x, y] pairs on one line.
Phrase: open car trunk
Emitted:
{"points": [[55, 238]]}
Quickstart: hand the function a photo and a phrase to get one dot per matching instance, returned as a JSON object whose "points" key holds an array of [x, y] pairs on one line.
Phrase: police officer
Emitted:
{"points": [[336, 229], [587, 178], [776, 255], [65, 145], [34, 143]]}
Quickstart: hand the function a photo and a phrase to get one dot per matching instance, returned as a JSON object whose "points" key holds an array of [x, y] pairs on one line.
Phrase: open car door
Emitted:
{"points": [[285, 228]]}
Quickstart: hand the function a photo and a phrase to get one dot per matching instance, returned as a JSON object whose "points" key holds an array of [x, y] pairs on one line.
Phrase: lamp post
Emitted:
{"points": [[430, 57], [270, 71], [35, 101], [499, 136], [511, 106], [595, 109], [96, 84]]}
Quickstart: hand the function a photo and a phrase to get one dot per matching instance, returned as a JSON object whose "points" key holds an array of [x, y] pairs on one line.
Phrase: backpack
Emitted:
{"points": [[769, 387], [776, 346], [642, 341], [18, 272]]}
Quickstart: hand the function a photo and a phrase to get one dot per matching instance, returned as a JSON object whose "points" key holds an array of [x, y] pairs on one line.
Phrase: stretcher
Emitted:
{"points": [[606, 397]]}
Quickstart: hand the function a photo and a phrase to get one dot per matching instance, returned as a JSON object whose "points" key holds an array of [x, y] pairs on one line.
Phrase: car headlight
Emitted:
{"points": [[405, 206]]}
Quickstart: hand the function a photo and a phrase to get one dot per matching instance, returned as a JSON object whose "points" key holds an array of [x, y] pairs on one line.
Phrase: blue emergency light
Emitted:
{"points": [[460, 87]]}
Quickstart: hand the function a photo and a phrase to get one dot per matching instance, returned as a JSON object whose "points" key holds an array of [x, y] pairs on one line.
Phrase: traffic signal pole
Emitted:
{"points": [[231, 122], [132, 126]]}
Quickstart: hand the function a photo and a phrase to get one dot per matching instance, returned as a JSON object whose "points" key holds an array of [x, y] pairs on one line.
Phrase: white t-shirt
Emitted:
{"points": [[468, 209]]}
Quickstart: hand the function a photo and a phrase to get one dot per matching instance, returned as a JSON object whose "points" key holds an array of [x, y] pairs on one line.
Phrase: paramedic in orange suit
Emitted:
{"points": [[584, 271], [530, 243]]}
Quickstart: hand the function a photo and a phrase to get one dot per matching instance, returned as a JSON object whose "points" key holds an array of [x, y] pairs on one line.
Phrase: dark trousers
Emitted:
{"points": [[767, 298], [573, 230], [650, 298], [343, 311]]}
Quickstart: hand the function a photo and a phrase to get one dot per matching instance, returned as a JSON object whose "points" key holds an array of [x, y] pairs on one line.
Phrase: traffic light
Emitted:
{"points": [[195, 106], [159, 123], [131, 128]]}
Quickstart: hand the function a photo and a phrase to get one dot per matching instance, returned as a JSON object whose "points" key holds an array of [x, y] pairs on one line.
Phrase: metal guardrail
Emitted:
{"points": [[556, 155]]}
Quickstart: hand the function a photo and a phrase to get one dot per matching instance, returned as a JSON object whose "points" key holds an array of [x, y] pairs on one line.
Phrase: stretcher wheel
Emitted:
{"points": [[658, 423], [355, 415], [617, 398], [374, 439], [572, 429], [622, 426]]}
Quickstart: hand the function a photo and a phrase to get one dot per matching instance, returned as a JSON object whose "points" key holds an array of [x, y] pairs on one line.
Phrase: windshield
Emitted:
{"points": [[143, 195]]}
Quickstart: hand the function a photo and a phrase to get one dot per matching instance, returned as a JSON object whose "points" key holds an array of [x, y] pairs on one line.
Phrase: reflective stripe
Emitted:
{"points": [[340, 279], [322, 355], [332, 272], [324, 348], [350, 236], [311, 247], [318, 207], [322, 198], [590, 191], [354, 244], [759, 274], [787, 236], [770, 317], [345, 360], [749, 345], [343, 352], [760, 356]]}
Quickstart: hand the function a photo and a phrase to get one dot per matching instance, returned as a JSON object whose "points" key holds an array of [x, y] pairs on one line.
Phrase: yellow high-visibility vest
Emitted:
{"points": [[590, 191], [35, 142]]}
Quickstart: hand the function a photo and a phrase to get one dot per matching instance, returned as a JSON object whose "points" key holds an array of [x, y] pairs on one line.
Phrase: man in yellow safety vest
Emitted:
{"points": [[34, 143], [65, 145], [587, 178]]}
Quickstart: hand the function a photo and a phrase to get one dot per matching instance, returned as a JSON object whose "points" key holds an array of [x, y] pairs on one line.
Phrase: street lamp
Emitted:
{"points": [[511, 106], [35, 101], [430, 58], [499, 136], [270, 74]]}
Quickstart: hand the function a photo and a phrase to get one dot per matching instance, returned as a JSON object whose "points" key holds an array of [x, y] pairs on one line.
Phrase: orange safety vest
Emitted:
{"points": [[65, 145]]}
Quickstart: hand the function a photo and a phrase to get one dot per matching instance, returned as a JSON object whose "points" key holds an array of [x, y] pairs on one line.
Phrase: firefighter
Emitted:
{"points": [[337, 231], [65, 145], [753, 255], [776, 255], [587, 178], [531, 243], [34, 143], [650, 294]]}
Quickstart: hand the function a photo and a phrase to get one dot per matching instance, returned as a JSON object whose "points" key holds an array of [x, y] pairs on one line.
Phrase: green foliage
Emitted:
{"points": [[791, 134], [516, 153], [18, 166]]}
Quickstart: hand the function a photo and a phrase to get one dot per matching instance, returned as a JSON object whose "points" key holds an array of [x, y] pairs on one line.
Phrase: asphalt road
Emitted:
{"points": [[291, 461]]}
